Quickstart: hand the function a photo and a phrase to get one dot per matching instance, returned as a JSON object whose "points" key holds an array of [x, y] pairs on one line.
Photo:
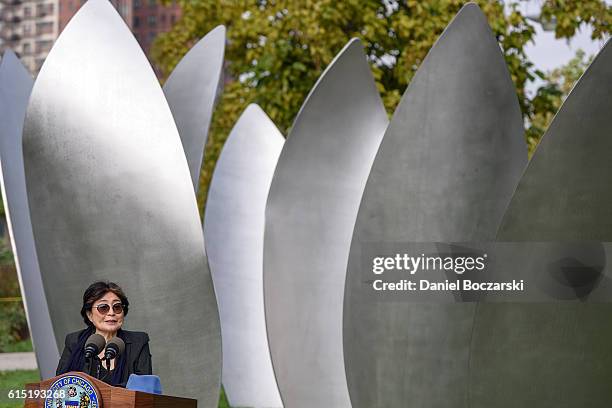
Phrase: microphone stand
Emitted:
{"points": [[88, 365], [98, 369]]}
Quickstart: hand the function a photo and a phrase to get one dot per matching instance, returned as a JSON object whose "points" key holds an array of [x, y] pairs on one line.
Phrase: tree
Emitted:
{"points": [[277, 49], [550, 96]]}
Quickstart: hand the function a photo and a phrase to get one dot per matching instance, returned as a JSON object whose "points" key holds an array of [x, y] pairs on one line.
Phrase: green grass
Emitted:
{"points": [[19, 347], [223, 400], [15, 380]]}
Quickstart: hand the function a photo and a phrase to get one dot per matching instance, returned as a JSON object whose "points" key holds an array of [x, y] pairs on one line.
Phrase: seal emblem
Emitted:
{"points": [[78, 392]]}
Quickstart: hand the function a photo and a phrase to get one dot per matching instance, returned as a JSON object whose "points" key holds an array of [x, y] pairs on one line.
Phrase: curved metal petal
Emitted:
{"points": [[15, 86], [234, 231], [310, 214], [191, 91], [445, 171], [110, 198], [555, 354]]}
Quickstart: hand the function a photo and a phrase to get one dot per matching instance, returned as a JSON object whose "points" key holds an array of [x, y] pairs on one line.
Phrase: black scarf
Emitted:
{"points": [[77, 359]]}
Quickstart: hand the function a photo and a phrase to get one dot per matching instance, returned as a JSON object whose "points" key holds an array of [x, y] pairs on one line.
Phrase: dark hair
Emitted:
{"points": [[96, 291]]}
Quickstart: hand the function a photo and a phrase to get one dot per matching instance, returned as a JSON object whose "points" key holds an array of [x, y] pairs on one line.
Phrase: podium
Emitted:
{"points": [[79, 390]]}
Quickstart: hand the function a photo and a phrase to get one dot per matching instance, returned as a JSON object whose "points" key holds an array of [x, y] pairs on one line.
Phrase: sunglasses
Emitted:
{"points": [[104, 308]]}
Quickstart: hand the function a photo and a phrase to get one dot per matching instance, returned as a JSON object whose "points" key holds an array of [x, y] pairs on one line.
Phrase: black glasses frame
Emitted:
{"points": [[104, 308]]}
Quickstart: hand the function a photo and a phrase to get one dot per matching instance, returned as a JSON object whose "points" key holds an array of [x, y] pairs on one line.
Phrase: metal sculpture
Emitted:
{"points": [[15, 86], [234, 231], [310, 214], [111, 198], [445, 171], [191, 91], [555, 354]]}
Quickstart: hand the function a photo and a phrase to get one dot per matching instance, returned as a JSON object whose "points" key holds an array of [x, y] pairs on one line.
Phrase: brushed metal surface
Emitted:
{"points": [[15, 86], [310, 215], [111, 198], [547, 354], [234, 231], [191, 91], [445, 171]]}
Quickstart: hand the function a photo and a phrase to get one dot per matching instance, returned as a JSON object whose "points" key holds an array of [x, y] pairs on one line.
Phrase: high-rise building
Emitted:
{"points": [[29, 27], [148, 19]]}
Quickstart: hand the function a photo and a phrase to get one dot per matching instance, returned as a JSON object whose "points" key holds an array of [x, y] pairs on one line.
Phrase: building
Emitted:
{"points": [[148, 19], [29, 27]]}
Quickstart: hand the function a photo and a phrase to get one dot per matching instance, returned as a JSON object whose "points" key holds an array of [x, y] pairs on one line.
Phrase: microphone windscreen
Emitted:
{"points": [[117, 344], [96, 340]]}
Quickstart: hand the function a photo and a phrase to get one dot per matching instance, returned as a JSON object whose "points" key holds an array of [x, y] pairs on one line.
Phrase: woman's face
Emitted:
{"points": [[109, 321]]}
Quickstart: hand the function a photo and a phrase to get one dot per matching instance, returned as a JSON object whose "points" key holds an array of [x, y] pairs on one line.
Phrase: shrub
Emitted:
{"points": [[13, 323]]}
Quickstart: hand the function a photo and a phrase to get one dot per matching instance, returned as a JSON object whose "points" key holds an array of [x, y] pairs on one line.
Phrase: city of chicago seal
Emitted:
{"points": [[78, 392]]}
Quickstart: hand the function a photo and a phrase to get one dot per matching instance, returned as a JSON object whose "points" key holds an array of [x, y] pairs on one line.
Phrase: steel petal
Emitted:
{"points": [[15, 86], [555, 354], [191, 91], [310, 215], [111, 198], [234, 231], [445, 172]]}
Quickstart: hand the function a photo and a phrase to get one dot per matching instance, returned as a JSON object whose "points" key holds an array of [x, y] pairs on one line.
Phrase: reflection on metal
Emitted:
{"points": [[111, 198], [445, 172], [15, 86], [191, 91], [555, 354], [311, 210], [234, 231]]}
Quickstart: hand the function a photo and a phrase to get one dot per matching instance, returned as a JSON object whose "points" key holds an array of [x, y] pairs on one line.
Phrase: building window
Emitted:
{"points": [[152, 20], [151, 36], [27, 12], [172, 19], [44, 28], [136, 22], [27, 49], [43, 46], [27, 30], [152, 3], [137, 4], [43, 10]]}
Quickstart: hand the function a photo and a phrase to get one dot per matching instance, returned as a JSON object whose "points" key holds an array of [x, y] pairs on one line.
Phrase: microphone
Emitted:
{"points": [[93, 345], [114, 348]]}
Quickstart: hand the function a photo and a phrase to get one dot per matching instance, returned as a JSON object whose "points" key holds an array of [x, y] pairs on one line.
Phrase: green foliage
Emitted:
{"points": [[13, 324], [570, 15], [223, 400], [550, 96], [6, 255], [9, 285], [276, 49], [20, 346]]}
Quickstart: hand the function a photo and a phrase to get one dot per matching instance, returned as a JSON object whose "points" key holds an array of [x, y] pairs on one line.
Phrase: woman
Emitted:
{"points": [[104, 308]]}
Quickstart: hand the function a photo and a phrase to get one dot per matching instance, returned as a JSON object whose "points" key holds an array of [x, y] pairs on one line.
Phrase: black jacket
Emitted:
{"points": [[137, 354]]}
